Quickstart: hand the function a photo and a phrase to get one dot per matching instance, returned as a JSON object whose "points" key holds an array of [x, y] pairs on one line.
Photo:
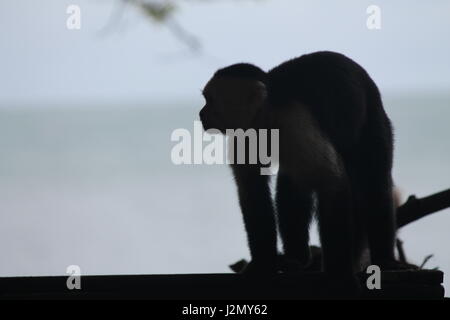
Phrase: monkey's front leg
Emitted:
{"points": [[259, 218], [294, 208]]}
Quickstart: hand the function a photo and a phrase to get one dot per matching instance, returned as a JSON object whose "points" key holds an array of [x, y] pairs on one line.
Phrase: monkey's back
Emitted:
{"points": [[339, 92]]}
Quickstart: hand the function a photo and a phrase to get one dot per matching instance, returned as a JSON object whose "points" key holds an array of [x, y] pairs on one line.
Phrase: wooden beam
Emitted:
{"points": [[394, 285]]}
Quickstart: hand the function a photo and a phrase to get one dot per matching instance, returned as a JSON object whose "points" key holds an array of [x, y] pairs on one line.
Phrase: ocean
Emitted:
{"points": [[93, 185]]}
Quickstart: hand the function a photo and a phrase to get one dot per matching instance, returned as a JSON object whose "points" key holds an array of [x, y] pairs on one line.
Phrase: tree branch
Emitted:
{"points": [[416, 208]]}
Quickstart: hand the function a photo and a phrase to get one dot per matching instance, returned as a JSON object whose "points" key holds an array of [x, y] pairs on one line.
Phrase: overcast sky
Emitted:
{"points": [[41, 60]]}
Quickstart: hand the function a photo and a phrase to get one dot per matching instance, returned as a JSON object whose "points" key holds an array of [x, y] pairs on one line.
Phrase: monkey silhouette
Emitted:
{"points": [[335, 161]]}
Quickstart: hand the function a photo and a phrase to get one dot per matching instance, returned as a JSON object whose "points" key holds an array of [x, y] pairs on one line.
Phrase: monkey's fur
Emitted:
{"points": [[336, 145]]}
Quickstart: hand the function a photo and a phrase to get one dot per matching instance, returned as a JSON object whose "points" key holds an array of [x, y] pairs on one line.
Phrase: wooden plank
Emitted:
{"points": [[424, 284]]}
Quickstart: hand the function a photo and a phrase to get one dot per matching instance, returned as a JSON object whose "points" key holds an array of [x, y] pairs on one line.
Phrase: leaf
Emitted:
{"points": [[158, 12]]}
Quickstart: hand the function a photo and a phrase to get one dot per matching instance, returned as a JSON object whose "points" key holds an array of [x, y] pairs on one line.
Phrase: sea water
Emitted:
{"points": [[93, 185]]}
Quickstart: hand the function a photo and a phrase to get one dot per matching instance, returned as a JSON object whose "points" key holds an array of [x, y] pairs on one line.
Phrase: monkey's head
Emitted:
{"points": [[234, 96]]}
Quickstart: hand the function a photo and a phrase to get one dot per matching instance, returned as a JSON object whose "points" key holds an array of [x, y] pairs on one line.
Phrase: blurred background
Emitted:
{"points": [[86, 116]]}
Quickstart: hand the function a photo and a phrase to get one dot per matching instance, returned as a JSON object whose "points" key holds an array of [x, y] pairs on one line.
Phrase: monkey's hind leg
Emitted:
{"points": [[337, 235], [336, 227], [294, 210], [382, 227]]}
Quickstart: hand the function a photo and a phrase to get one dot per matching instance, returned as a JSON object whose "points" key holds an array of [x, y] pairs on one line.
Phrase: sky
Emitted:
{"points": [[139, 60]]}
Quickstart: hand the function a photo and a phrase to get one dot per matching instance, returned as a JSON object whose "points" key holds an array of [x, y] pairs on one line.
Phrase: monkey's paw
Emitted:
{"points": [[260, 269], [292, 266]]}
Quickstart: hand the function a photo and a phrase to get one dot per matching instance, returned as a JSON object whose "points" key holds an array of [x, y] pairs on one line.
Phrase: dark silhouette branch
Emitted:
{"points": [[425, 260], [400, 250], [416, 208]]}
